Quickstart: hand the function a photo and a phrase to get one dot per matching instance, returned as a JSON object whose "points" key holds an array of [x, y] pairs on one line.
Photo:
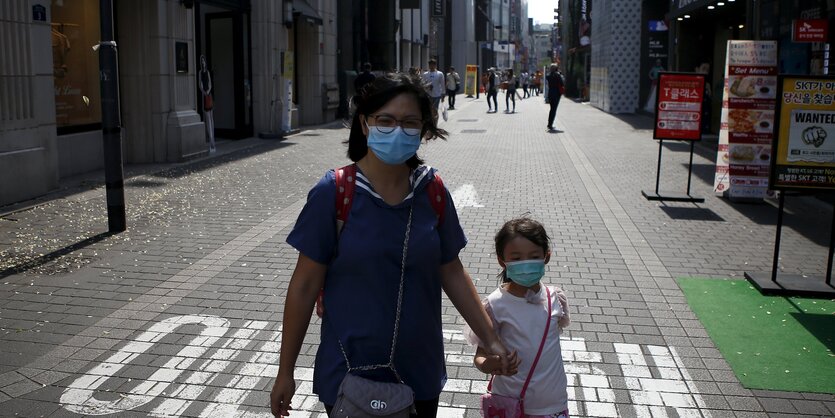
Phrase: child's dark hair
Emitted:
{"points": [[525, 227]]}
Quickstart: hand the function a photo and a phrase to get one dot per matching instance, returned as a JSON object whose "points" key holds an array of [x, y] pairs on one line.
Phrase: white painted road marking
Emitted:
{"points": [[466, 196], [657, 382]]}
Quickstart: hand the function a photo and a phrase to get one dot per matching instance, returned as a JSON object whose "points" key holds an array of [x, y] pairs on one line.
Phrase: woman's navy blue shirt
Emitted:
{"points": [[363, 277]]}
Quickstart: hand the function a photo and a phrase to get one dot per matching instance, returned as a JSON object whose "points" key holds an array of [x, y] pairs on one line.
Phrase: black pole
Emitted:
{"points": [[777, 239], [831, 251], [658, 172], [111, 125], [690, 169]]}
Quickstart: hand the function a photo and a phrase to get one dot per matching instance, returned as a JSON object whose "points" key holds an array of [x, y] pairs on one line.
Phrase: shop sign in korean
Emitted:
{"points": [[679, 106], [804, 147], [750, 91]]}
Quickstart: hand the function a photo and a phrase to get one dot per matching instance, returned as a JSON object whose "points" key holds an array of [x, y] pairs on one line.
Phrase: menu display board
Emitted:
{"points": [[678, 106], [804, 146], [750, 92]]}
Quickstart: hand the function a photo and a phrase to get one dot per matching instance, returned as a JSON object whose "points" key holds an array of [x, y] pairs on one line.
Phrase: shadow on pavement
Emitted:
{"points": [[691, 213], [95, 179], [46, 258], [220, 160]]}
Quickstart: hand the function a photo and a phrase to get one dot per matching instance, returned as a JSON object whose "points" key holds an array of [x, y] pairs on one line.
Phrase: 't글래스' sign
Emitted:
{"points": [[678, 112]]}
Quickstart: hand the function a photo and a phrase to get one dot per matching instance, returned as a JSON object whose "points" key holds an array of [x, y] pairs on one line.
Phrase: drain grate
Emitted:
{"points": [[467, 120], [473, 131]]}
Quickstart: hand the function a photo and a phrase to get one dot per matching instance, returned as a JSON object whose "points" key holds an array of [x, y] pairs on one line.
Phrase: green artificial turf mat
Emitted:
{"points": [[771, 342]]}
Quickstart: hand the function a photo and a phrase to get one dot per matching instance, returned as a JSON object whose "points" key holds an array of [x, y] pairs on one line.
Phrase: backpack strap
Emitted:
{"points": [[437, 197], [345, 179]]}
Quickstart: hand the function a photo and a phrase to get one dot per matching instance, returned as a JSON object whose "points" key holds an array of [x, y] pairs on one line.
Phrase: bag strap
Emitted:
{"points": [[345, 179], [390, 364], [437, 197], [538, 353]]}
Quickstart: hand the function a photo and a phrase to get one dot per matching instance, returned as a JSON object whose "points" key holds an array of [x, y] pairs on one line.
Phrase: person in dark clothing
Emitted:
{"points": [[556, 84], [512, 83], [364, 78], [492, 91]]}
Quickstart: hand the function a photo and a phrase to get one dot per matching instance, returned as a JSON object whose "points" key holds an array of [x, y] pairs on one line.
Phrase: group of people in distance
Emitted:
{"points": [[493, 81], [387, 256]]}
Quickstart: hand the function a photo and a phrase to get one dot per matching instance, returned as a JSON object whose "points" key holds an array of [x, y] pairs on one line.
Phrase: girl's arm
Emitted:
{"points": [[460, 289], [307, 279]]}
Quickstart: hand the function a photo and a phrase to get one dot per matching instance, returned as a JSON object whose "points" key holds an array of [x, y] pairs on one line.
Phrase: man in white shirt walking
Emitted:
{"points": [[434, 81]]}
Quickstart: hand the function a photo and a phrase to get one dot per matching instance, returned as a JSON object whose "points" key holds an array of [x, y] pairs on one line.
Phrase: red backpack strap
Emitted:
{"points": [[437, 197], [345, 179]]}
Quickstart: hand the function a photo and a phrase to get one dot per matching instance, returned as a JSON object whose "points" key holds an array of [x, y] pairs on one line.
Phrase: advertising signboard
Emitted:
{"points": [[810, 30], [470, 80], [678, 107], [749, 98], [804, 143]]}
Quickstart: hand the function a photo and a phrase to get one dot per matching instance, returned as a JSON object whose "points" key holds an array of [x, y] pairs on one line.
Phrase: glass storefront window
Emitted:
{"points": [[75, 66]]}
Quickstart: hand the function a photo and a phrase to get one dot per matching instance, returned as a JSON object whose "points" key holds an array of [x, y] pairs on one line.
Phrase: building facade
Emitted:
{"points": [[272, 67]]}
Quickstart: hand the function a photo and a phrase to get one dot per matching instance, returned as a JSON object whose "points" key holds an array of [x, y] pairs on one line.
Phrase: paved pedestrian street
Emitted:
{"points": [[181, 314]]}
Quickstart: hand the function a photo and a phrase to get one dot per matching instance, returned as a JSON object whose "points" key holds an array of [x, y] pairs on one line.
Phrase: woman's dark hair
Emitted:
{"points": [[379, 92], [527, 228]]}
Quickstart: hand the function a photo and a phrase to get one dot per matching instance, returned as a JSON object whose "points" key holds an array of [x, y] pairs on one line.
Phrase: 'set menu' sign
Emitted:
{"points": [[804, 147], [678, 106], [744, 153]]}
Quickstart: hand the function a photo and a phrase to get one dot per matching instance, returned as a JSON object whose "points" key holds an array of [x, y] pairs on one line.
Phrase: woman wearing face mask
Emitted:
{"points": [[390, 258]]}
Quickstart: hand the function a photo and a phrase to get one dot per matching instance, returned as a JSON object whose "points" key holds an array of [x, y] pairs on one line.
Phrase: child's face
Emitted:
{"points": [[520, 248]]}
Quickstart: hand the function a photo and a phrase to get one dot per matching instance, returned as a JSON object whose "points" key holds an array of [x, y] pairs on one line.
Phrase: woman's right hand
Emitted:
{"points": [[283, 390]]}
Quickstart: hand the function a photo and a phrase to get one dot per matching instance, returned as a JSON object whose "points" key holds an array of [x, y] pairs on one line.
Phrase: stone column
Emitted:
{"points": [[28, 148], [268, 40], [158, 103]]}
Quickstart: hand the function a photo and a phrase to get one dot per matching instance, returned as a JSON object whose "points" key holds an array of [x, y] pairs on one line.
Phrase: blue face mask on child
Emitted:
{"points": [[394, 147], [526, 272]]}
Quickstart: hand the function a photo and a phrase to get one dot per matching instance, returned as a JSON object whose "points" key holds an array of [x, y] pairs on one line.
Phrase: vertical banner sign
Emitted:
{"points": [[749, 98], [470, 80], [804, 148], [678, 112]]}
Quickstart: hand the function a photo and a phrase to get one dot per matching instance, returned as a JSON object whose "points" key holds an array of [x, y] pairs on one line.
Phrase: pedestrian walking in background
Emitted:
{"points": [[396, 233], [512, 84], [492, 90], [365, 77], [435, 83], [556, 88], [529, 317], [453, 84], [525, 79]]}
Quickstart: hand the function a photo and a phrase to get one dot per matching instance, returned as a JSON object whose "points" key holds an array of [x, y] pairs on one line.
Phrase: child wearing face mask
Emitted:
{"points": [[518, 309]]}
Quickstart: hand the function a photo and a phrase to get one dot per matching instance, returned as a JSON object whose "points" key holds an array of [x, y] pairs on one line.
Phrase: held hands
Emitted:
{"points": [[283, 390], [492, 364], [500, 361]]}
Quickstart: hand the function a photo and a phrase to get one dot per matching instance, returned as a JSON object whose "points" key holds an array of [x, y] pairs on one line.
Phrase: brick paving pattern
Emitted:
{"points": [[180, 315]]}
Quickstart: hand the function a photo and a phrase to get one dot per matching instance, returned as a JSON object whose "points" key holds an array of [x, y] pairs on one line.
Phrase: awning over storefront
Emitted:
{"points": [[302, 9]]}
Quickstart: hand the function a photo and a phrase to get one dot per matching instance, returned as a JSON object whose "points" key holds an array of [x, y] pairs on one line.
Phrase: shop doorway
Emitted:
{"points": [[225, 41]]}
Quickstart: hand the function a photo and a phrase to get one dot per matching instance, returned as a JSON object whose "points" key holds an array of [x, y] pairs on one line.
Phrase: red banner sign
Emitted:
{"points": [[679, 106], [809, 30]]}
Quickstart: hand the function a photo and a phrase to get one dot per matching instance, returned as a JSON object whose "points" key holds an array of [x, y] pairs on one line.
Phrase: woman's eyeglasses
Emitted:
{"points": [[386, 124]]}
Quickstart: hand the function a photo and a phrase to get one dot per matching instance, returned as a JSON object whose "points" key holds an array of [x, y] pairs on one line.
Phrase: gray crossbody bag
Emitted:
{"points": [[360, 397]]}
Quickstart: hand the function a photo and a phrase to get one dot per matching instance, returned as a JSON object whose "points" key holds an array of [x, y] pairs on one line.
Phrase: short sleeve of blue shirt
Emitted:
{"points": [[314, 234]]}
